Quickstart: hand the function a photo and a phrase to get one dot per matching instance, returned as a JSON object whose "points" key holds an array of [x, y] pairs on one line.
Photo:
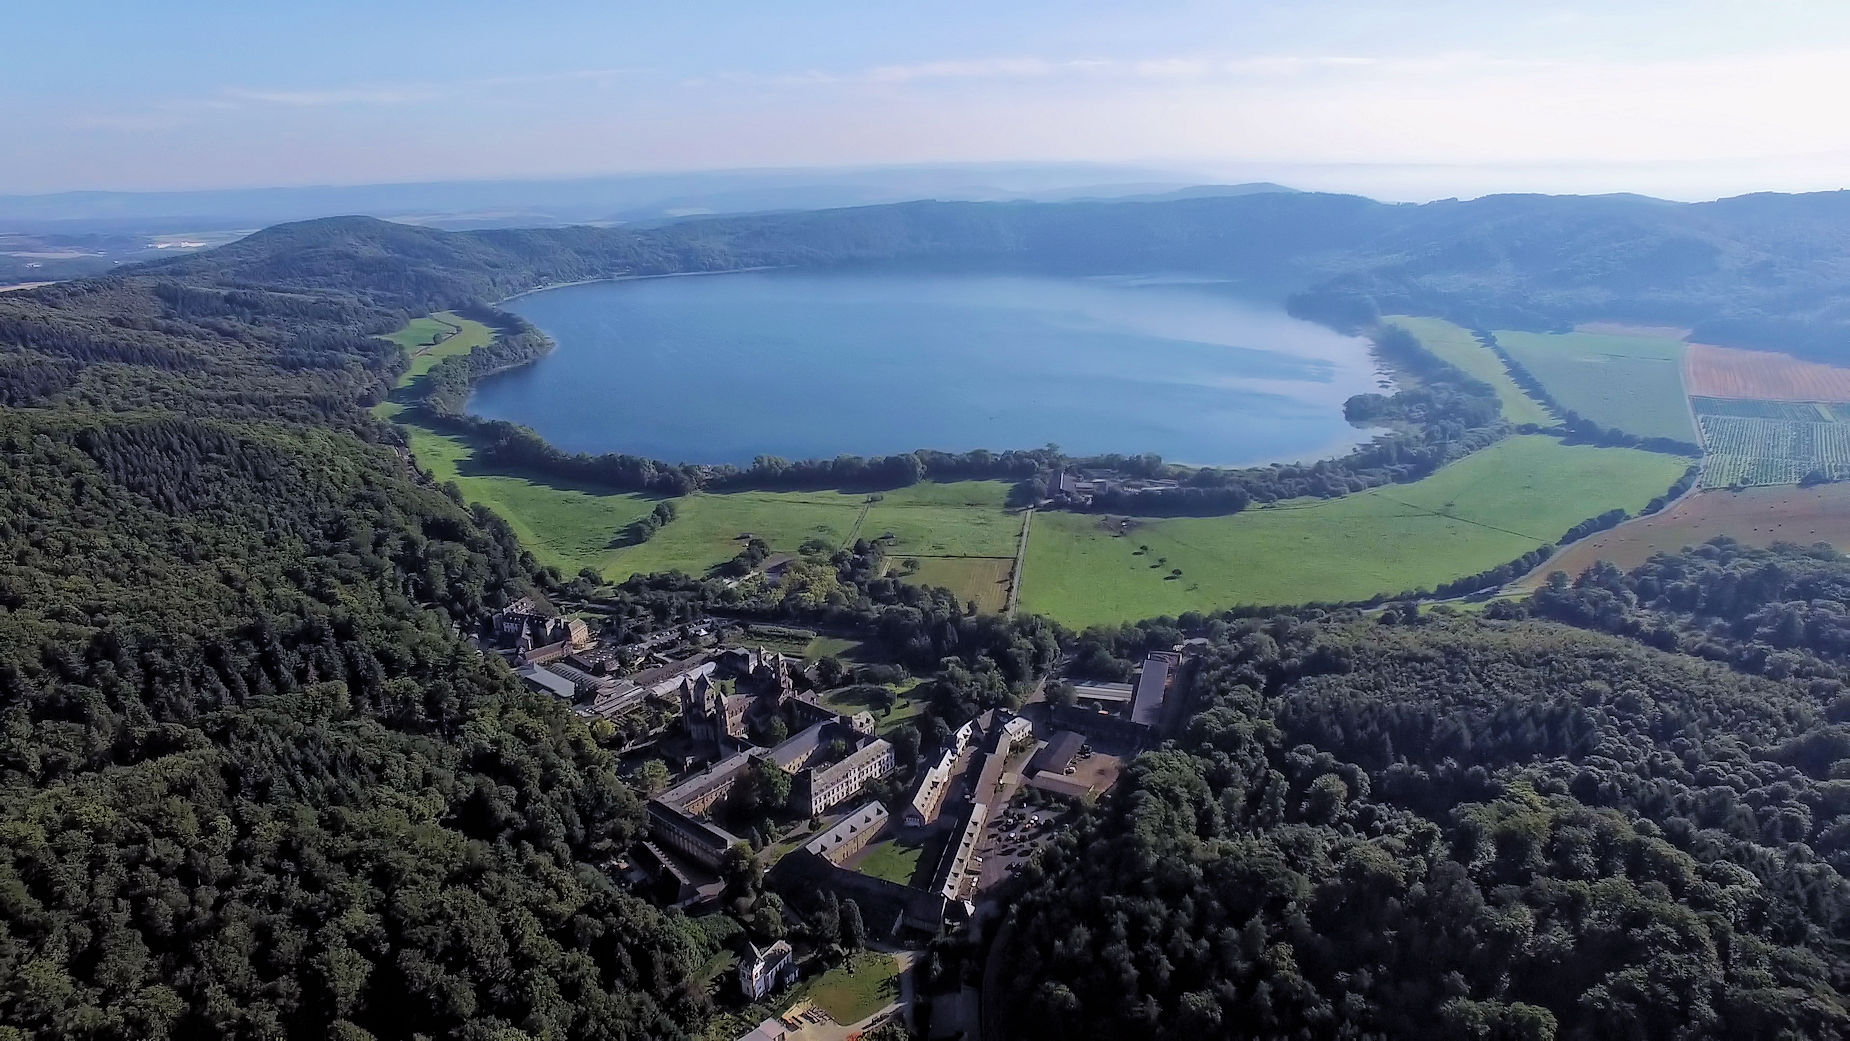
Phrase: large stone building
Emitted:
{"points": [[830, 762], [928, 797]]}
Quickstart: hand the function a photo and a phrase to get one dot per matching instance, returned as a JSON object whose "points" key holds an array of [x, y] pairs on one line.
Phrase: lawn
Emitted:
{"points": [[1456, 345], [856, 989], [904, 710], [1475, 514], [1632, 383], [892, 860]]}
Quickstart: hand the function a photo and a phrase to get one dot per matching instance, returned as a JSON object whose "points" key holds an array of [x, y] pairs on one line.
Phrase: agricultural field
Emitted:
{"points": [[1729, 372], [1631, 383], [1756, 516], [982, 579], [1456, 345], [1475, 514], [1756, 442], [1752, 408]]}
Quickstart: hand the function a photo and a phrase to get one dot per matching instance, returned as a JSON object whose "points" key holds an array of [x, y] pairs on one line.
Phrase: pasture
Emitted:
{"points": [[1630, 383], [1756, 516], [1475, 514], [1729, 372], [1455, 345]]}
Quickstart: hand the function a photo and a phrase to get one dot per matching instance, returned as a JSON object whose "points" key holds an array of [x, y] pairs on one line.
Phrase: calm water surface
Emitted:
{"points": [[719, 369]]}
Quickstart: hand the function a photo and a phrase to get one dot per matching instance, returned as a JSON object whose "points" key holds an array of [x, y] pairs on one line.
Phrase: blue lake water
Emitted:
{"points": [[722, 368]]}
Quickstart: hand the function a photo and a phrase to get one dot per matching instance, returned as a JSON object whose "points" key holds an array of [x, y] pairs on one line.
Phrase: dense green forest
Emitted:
{"points": [[1437, 827], [252, 784]]}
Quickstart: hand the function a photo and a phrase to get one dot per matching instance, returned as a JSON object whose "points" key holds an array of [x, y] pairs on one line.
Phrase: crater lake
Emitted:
{"points": [[723, 368]]}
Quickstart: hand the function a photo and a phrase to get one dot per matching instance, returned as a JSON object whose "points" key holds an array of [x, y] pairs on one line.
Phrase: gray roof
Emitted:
{"points": [[1152, 687], [1058, 753], [546, 681]]}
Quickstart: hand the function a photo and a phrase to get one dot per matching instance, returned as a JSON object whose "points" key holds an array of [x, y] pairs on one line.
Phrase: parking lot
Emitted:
{"points": [[1011, 838]]}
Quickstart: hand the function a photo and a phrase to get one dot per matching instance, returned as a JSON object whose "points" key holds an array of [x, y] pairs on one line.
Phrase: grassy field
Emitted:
{"points": [[982, 579], [431, 340], [1756, 516], [892, 860], [1456, 345], [856, 989], [1632, 383], [1477, 513]]}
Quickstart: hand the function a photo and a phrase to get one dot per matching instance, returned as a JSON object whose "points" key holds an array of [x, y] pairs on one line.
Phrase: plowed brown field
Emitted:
{"points": [[1756, 516], [1728, 372]]}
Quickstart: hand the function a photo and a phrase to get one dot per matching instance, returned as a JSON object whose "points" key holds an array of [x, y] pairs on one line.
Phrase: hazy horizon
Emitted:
{"points": [[1683, 101]]}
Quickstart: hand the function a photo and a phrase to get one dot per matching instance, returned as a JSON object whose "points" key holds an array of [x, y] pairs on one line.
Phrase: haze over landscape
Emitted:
{"points": [[822, 522]]}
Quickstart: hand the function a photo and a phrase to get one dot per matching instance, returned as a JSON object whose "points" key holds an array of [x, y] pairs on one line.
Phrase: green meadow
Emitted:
{"points": [[1631, 383], [1456, 345], [1475, 514], [576, 527]]}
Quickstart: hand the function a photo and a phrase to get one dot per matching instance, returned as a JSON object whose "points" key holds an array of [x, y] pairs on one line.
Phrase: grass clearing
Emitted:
{"points": [[859, 987], [1477, 513], [905, 709], [1456, 345], [892, 860], [1631, 383]]}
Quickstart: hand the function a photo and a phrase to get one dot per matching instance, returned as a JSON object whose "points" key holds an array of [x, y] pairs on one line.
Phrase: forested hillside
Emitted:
{"points": [[251, 782], [1460, 829], [1762, 271]]}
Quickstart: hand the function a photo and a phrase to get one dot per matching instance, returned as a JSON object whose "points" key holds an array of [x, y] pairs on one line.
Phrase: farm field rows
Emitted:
{"points": [[1729, 372], [1756, 516], [1475, 514], [1771, 451], [1752, 408], [1631, 383], [1759, 442], [1456, 345]]}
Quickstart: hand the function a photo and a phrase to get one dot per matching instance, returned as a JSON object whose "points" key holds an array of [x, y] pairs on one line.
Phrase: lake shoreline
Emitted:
{"points": [[549, 287], [959, 364]]}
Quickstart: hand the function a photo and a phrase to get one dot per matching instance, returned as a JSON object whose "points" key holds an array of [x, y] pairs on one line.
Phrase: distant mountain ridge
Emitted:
{"points": [[1768, 271]]}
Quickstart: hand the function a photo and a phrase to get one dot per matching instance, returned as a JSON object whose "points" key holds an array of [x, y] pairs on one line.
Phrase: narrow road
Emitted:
{"points": [[1021, 553]]}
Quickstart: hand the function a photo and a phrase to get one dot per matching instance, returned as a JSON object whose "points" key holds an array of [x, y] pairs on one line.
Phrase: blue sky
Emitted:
{"points": [[1399, 99]]}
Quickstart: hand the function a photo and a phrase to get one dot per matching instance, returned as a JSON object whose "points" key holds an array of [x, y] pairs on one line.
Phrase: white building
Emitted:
{"points": [[763, 970]]}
